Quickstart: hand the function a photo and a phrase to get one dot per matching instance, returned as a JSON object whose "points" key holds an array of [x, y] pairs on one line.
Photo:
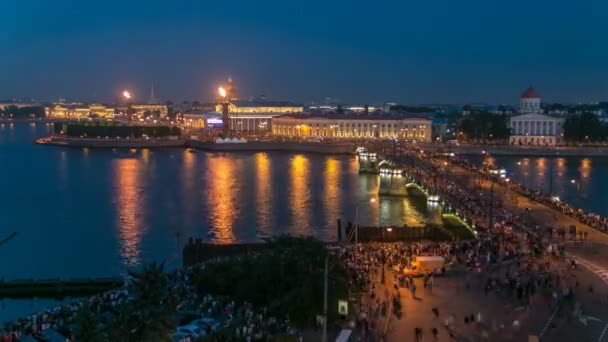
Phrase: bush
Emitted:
{"points": [[287, 278]]}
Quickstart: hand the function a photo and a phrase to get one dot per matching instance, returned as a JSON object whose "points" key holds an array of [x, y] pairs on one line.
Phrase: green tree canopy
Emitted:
{"points": [[484, 125]]}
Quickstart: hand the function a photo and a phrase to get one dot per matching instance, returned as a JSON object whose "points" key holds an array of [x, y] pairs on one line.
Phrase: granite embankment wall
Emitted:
{"points": [[111, 143], [266, 146]]}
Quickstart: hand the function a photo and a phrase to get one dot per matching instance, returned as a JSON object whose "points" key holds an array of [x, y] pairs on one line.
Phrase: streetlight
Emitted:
{"points": [[578, 185]]}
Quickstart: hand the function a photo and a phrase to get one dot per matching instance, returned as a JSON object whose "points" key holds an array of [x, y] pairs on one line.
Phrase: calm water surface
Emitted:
{"points": [[81, 212], [582, 182]]}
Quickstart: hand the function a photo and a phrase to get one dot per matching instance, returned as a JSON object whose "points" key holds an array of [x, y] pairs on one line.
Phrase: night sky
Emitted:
{"points": [[414, 52]]}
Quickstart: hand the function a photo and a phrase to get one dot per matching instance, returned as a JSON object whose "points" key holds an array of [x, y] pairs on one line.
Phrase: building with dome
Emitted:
{"points": [[532, 127], [529, 102]]}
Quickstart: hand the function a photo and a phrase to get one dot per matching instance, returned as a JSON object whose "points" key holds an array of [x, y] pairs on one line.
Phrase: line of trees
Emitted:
{"points": [[22, 112], [483, 125], [109, 129], [585, 127]]}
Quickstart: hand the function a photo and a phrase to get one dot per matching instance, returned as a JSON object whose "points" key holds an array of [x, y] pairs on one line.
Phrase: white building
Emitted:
{"points": [[529, 101], [535, 129], [532, 127]]}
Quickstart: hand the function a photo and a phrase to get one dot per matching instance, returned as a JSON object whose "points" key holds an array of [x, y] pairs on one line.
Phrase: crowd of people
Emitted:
{"points": [[234, 320], [592, 219], [505, 261]]}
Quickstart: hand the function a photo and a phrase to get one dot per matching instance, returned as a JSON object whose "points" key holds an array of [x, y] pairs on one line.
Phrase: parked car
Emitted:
{"points": [[205, 322], [187, 331]]}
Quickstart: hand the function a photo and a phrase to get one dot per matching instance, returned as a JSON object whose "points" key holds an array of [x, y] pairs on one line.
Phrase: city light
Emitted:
{"points": [[222, 92], [126, 95]]}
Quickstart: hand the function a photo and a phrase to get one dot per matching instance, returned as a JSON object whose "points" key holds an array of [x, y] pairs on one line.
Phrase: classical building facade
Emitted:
{"points": [[532, 127], [349, 126], [536, 129], [256, 115], [60, 111]]}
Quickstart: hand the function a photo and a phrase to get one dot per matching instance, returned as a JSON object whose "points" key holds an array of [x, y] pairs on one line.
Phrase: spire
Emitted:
{"points": [[152, 98]]}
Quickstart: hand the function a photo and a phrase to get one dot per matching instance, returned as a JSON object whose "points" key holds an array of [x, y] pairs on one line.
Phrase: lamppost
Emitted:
{"points": [[225, 115], [326, 276], [491, 218], [578, 185]]}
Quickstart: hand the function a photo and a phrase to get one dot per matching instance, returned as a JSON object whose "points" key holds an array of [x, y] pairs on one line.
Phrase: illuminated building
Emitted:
{"points": [[532, 127], [78, 111], [202, 119], [349, 126], [140, 109], [256, 115]]}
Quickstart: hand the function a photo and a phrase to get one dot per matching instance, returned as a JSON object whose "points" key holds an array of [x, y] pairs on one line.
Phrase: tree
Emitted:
{"points": [[481, 124], [286, 278], [584, 127], [87, 326], [149, 315]]}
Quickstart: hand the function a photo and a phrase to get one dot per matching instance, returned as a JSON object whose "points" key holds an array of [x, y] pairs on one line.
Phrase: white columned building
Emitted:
{"points": [[532, 127]]}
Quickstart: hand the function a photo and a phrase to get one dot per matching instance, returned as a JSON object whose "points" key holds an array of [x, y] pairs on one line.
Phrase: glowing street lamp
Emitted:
{"points": [[126, 95], [222, 92]]}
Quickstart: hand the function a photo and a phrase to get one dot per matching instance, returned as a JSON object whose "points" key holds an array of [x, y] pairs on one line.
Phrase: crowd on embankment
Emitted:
{"points": [[592, 219]]}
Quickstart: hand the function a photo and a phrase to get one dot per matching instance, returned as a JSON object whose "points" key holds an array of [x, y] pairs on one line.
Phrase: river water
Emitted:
{"points": [[581, 182], [82, 212], [87, 213]]}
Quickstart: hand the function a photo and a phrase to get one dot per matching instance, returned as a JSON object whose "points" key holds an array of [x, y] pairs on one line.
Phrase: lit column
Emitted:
{"points": [[225, 114]]}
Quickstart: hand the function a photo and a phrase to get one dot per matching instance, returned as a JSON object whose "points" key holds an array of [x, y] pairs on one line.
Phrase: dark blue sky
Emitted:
{"points": [[357, 51]]}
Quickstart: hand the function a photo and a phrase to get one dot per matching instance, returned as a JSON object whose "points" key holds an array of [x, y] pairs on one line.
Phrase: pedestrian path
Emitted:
{"points": [[593, 268]]}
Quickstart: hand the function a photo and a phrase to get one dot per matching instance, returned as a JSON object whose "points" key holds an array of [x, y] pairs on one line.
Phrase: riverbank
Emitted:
{"points": [[561, 151], [267, 146], [110, 143]]}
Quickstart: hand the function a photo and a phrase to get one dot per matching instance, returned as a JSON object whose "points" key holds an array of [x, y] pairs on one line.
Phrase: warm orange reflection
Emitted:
{"points": [[263, 194], [221, 208], [585, 167], [127, 190], [145, 155], [561, 167], [300, 195], [188, 175], [332, 189]]}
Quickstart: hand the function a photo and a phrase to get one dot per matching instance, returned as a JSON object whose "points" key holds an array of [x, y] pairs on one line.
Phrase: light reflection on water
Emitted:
{"points": [[105, 210], [222, 197], [300, 194], [264, 194], [128, 194]]}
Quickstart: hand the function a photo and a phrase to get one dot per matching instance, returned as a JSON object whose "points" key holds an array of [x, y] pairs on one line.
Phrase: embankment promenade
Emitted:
{"points": [[561, 151]]}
